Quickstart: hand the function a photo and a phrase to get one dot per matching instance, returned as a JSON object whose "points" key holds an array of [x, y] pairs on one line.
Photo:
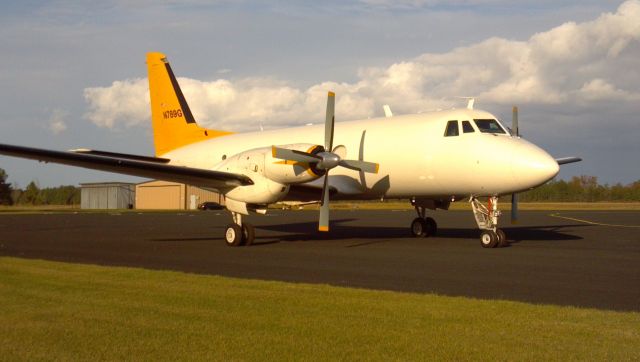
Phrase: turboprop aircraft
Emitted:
{"points": [[432, 159]]}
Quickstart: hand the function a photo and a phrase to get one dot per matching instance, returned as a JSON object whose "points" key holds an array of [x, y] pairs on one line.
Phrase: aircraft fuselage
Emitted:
{"points": [[415, 157]]}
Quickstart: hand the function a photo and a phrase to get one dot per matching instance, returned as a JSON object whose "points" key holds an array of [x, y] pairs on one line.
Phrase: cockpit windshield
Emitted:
{"points": [[489, 126]]}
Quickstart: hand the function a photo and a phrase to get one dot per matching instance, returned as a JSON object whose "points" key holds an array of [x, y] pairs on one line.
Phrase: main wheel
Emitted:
{"points": [[233, 235], [488, 239], [418, 227], [502, 238], [248, 234], [432, 226]]}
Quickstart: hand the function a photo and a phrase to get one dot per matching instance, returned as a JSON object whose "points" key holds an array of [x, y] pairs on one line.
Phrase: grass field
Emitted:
{"points": [[58, 311]]}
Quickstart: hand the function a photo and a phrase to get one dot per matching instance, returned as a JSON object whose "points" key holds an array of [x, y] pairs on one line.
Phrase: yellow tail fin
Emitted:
{"points": [[173, 123]]}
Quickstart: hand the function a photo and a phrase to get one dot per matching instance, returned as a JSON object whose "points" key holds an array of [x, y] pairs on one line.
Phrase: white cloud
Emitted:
{"points": [[600, 89], [572, 64], [462, 4], [125, 102], [57, 123]]}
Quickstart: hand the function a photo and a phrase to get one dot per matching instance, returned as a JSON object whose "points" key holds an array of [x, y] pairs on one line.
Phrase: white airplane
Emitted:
{"points": [[430, 158]]}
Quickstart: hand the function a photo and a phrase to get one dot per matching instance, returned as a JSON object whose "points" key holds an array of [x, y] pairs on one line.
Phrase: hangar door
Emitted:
{"points": [[160, 196]]}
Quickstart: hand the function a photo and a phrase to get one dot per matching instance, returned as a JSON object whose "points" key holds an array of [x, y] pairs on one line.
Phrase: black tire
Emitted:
{"points": [[248, 234], [432, 226], [233, 235], [488, 239], [502, 238], [418, 227]]}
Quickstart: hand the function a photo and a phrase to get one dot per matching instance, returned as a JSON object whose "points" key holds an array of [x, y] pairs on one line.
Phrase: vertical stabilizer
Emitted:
{"points": [[172, 120]]}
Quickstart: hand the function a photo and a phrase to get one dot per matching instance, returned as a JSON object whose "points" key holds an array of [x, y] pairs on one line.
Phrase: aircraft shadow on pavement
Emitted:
{"points": [[206, 238], [306, 231], [518, 233]]}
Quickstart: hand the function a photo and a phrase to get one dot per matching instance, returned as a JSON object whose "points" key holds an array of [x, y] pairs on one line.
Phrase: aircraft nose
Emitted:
{"points": [[532, 166]]}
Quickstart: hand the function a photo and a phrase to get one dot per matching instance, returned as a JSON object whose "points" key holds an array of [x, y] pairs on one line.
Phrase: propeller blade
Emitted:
{"points": [[323, 224], [514, 122], [363, 180], [329, 122], [293, 155], [514, 197], [514, 208], [364, 166]]}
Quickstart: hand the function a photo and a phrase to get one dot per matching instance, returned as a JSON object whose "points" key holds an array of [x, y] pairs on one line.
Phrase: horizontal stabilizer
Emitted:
{"points": [[192, 176], [565, 160]]}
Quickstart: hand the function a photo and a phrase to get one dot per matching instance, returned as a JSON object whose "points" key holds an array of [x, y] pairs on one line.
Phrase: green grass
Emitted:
{"points": [[58, 311]]}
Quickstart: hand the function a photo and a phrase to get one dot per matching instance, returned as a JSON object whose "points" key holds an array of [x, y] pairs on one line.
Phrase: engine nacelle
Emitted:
{"points": [[292, 172], [271, 176]]}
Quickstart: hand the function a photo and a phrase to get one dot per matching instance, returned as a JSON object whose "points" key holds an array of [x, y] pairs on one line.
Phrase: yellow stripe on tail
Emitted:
{"points": [[172, 120]]}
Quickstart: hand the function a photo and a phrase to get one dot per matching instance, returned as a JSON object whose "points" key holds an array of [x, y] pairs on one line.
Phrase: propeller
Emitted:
{"points": [[514, 197], [323, 159]]}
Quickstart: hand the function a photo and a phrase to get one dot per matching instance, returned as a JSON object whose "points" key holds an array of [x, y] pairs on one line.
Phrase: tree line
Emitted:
{"points": [[34, 195], [582, 189], [578, 189]]}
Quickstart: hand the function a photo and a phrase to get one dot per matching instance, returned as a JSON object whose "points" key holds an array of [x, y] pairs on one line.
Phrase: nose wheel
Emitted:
{"points": [[487, 220]]}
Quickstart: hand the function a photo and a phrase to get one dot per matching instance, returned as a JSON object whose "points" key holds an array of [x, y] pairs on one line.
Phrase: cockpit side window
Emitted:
{"points": [[489, 126], [467, 127], [452, 129]]}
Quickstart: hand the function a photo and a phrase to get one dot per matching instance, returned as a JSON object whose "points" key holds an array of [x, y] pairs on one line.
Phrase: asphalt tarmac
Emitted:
{"points": [[551, 260]]}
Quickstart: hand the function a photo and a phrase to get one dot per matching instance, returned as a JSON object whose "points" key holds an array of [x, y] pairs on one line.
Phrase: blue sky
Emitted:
{"points": [[73, 72]]}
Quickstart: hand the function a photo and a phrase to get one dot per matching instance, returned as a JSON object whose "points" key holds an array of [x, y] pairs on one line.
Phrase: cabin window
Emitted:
{"points": [[489, 126], [452, 129], [467, 127]]}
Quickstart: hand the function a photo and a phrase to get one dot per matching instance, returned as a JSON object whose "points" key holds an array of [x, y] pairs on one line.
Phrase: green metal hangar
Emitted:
{"points": [[150, 195]]}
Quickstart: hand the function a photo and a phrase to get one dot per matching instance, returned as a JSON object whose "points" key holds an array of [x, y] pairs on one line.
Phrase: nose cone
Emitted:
{"points": [[532, 166]]}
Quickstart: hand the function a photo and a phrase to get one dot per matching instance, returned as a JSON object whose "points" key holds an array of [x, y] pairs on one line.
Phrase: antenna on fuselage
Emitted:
{"points": [[470, 101], [387, 111], [514, 122]]}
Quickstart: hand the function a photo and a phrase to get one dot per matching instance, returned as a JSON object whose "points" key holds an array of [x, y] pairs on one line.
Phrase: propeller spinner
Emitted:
{"points": [[325, 160]]}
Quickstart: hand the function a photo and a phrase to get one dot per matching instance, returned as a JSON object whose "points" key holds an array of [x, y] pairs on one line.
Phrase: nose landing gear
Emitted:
{"points": [[487, 220]]}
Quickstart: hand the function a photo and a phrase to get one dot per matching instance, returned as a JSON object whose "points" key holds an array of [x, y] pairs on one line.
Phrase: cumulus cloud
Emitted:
{"points": [[574, 63], [57, 123], [125, 102]]}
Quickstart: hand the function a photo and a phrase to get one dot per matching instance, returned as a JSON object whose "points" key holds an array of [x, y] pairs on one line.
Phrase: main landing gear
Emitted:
{"points": [[239, 233], [422, 225], [487, 220]]}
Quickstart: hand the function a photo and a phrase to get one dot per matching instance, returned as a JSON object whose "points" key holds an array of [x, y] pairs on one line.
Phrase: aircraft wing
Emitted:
{"points": [[565, 160], [132, 165], [121, 155]]}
